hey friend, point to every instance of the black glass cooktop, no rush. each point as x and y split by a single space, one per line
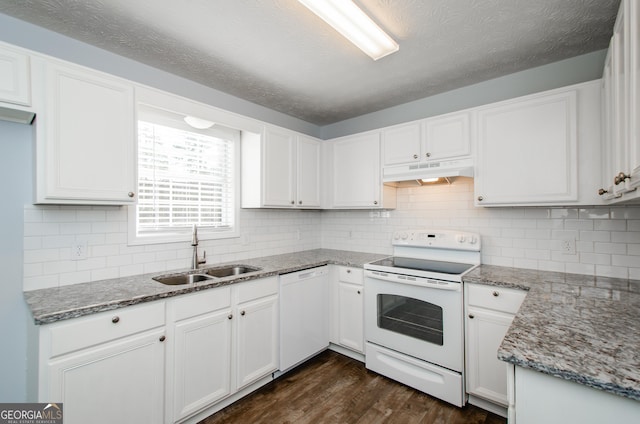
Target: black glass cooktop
451 268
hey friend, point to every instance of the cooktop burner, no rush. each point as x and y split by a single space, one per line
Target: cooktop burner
450 268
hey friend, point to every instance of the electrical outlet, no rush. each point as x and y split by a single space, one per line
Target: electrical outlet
79 250
568 247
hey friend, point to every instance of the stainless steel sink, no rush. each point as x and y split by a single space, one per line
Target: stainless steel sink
178 279
210 274
229 271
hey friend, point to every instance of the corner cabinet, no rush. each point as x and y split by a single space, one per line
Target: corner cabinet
107 367
490 311
280 169
85 148
356 181
542 149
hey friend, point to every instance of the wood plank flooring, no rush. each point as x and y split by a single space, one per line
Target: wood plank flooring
332 388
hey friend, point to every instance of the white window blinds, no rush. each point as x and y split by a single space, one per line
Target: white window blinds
185 177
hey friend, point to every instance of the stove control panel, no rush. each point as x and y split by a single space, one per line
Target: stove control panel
438 239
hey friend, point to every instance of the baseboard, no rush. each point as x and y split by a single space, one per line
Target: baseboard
488 406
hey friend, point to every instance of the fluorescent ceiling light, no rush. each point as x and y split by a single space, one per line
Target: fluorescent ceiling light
350 21
198 123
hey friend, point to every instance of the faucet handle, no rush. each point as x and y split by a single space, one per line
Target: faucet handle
204 258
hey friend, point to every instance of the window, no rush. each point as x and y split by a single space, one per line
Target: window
186 176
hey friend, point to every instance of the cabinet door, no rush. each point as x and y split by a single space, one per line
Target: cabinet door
257 339
356 172
620 85
278 168
118 382
486 375
633 11
606 188
527 151
15 84
308 173
202 362
87 154
350 316
401 144
446 137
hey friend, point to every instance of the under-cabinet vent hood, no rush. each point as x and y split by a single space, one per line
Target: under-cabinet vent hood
16 115
427 170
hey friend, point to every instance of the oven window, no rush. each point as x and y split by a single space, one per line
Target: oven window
410 317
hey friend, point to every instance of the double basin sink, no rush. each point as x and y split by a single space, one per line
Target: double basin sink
200 275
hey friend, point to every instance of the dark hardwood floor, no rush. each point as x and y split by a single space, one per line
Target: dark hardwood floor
332 388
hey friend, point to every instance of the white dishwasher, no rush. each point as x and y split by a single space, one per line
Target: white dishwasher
304 315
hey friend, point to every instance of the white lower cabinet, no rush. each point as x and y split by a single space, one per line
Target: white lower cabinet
490 311
223 340
107 367
348 308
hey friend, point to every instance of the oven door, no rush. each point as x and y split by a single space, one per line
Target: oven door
423 320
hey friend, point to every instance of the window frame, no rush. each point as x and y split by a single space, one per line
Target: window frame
172 106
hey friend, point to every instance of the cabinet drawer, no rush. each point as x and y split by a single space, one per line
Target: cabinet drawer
201 302
350 275
88 331
497 298
255 289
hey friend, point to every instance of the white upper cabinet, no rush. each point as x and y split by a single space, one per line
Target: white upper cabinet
85 150
280 169
621 93
15 82
446 136
355 176
531 150
436 138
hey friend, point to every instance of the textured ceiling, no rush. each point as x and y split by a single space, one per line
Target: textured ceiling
278 54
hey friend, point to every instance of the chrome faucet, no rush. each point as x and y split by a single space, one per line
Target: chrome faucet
195 261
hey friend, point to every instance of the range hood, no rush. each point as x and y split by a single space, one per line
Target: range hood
414 173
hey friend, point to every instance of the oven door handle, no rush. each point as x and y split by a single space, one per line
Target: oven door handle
414 281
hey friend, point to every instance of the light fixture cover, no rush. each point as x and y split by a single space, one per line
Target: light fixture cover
350 21
198 123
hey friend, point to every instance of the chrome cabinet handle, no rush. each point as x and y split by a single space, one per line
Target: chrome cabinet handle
602 191
471 316
496 293
162 338
358 291
242 313
375 202
293 202
480 198
300 202
131 194
428 155
115 319
415 156
230 316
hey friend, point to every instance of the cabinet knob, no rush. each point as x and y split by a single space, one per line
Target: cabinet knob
230 316
115 319
293 202
428 155
131 194
480 198
162 338
242 313
299 202
348 271
415 156
620 178
496 293
602 191
358 291
471 316
375 202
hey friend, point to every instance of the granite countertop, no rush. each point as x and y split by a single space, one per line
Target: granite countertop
60 303
581 328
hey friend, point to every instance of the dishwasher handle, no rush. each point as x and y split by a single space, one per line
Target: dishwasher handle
304 274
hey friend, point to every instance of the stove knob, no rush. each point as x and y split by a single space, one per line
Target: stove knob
473 240
460 238
404 236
